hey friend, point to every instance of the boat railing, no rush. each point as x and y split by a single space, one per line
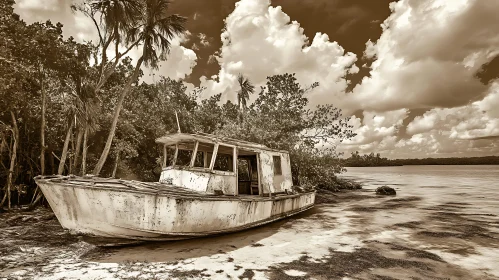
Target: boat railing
200 169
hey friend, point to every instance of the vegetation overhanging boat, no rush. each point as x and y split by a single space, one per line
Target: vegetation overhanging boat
208 185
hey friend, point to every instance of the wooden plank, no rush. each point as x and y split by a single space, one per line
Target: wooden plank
234 167
259 173
165 155
214 156
205 160
175 155
182 137
193 158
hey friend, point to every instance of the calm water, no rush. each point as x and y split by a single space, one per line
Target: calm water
462 199
474 184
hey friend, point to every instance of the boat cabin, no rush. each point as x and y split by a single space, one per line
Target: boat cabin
212 164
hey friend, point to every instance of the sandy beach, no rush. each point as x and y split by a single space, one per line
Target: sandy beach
349 235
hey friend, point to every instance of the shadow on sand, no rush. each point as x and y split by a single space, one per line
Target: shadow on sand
173 251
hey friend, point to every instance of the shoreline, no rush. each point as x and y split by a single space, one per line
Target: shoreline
478 164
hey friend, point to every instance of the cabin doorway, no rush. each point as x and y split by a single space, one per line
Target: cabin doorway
247 174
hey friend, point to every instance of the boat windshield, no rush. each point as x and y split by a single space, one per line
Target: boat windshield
199 155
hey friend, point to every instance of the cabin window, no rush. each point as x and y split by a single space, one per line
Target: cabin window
204 154
199 160
277 165
184 158
168 156
224 160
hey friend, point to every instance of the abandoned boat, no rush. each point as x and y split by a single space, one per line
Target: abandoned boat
208 185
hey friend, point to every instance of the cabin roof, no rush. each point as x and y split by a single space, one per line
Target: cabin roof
171 139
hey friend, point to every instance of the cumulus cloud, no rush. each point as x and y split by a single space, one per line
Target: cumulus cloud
76 25
468 130
260 40
438 144
203 39
428 55
36 5
477 120
179 63
375 131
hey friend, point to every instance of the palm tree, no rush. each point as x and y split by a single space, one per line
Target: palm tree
154 29
118 16
243 94
90 105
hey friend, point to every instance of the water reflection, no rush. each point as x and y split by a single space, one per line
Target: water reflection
475 184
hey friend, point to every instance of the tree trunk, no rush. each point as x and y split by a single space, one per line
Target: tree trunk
42 132
34 195
84 152
52 163
3 143
65 150
3 199
15 135
34 203
116 165
11 144
72 141
77 150
117 110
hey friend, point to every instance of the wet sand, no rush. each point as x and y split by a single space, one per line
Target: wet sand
351 235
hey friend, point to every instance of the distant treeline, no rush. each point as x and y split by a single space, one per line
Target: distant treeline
357 160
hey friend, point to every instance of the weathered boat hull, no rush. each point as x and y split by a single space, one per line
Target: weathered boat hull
157 212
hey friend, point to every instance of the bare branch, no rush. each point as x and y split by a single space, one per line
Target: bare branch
98 30
120 55
89 12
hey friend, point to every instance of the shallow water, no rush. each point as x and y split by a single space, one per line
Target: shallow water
452 199
477 185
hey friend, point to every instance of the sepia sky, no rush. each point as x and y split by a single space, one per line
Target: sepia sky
419 77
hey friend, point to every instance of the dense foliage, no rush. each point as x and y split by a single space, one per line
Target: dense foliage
57 110
357 160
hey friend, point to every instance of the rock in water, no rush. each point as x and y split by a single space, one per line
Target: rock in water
385 190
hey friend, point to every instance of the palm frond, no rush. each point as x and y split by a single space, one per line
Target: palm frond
157 30
143 21
118 15
247 88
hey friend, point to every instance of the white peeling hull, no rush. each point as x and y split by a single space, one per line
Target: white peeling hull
159 212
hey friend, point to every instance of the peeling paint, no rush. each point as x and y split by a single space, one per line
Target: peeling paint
151 216
194 180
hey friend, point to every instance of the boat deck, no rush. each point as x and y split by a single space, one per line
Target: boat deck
156 188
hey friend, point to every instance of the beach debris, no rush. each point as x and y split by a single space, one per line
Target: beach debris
385 190
28 217
295 273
